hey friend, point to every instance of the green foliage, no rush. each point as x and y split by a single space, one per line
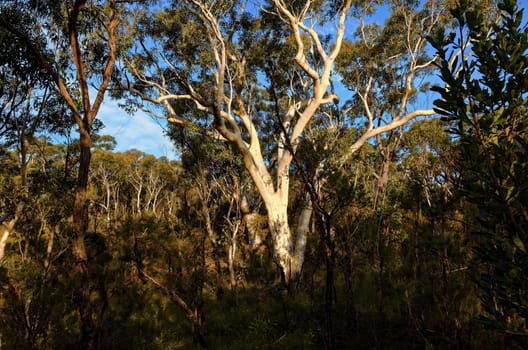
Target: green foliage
427 298
377 56
485 102
29 102
161 229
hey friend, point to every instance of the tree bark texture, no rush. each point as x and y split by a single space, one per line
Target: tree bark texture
80 223
287 253
6 228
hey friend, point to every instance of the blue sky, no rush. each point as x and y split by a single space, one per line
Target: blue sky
142 132
139 131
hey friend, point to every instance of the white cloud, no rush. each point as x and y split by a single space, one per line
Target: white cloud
139 131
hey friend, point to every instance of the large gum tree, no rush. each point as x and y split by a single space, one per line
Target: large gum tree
258 74
80 55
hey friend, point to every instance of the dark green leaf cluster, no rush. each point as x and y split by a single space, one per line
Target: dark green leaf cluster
485 67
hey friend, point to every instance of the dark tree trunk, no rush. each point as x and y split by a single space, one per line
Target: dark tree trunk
23 161
327 240
350 304
80 221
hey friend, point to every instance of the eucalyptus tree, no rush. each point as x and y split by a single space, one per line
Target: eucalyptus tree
82 49
218 177
257 77
29 103
389 69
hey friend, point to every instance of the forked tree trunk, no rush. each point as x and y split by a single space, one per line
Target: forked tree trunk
288 251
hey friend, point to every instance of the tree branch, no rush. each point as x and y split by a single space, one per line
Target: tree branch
48 67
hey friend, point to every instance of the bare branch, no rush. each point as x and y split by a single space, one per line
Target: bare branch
394 124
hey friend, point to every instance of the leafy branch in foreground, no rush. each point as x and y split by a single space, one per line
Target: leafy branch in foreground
485 102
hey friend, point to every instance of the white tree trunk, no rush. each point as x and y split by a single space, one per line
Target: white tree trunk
231 259
6 229
303 227
3 241
288 256
281 236
288 251
239 128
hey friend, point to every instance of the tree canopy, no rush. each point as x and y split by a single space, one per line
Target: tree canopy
349 174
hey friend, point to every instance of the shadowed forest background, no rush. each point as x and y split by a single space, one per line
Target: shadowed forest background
351 175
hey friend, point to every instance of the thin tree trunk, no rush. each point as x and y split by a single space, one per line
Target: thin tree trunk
303 227
417 228
23 160
249 220
80 222
326 232
350 304
199 328
193 316
381 258
383 179
232 259
214 245
49 248
107 204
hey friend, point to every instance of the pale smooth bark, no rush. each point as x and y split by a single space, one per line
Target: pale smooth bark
303 228
231 259
233 112
233 120
7 228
